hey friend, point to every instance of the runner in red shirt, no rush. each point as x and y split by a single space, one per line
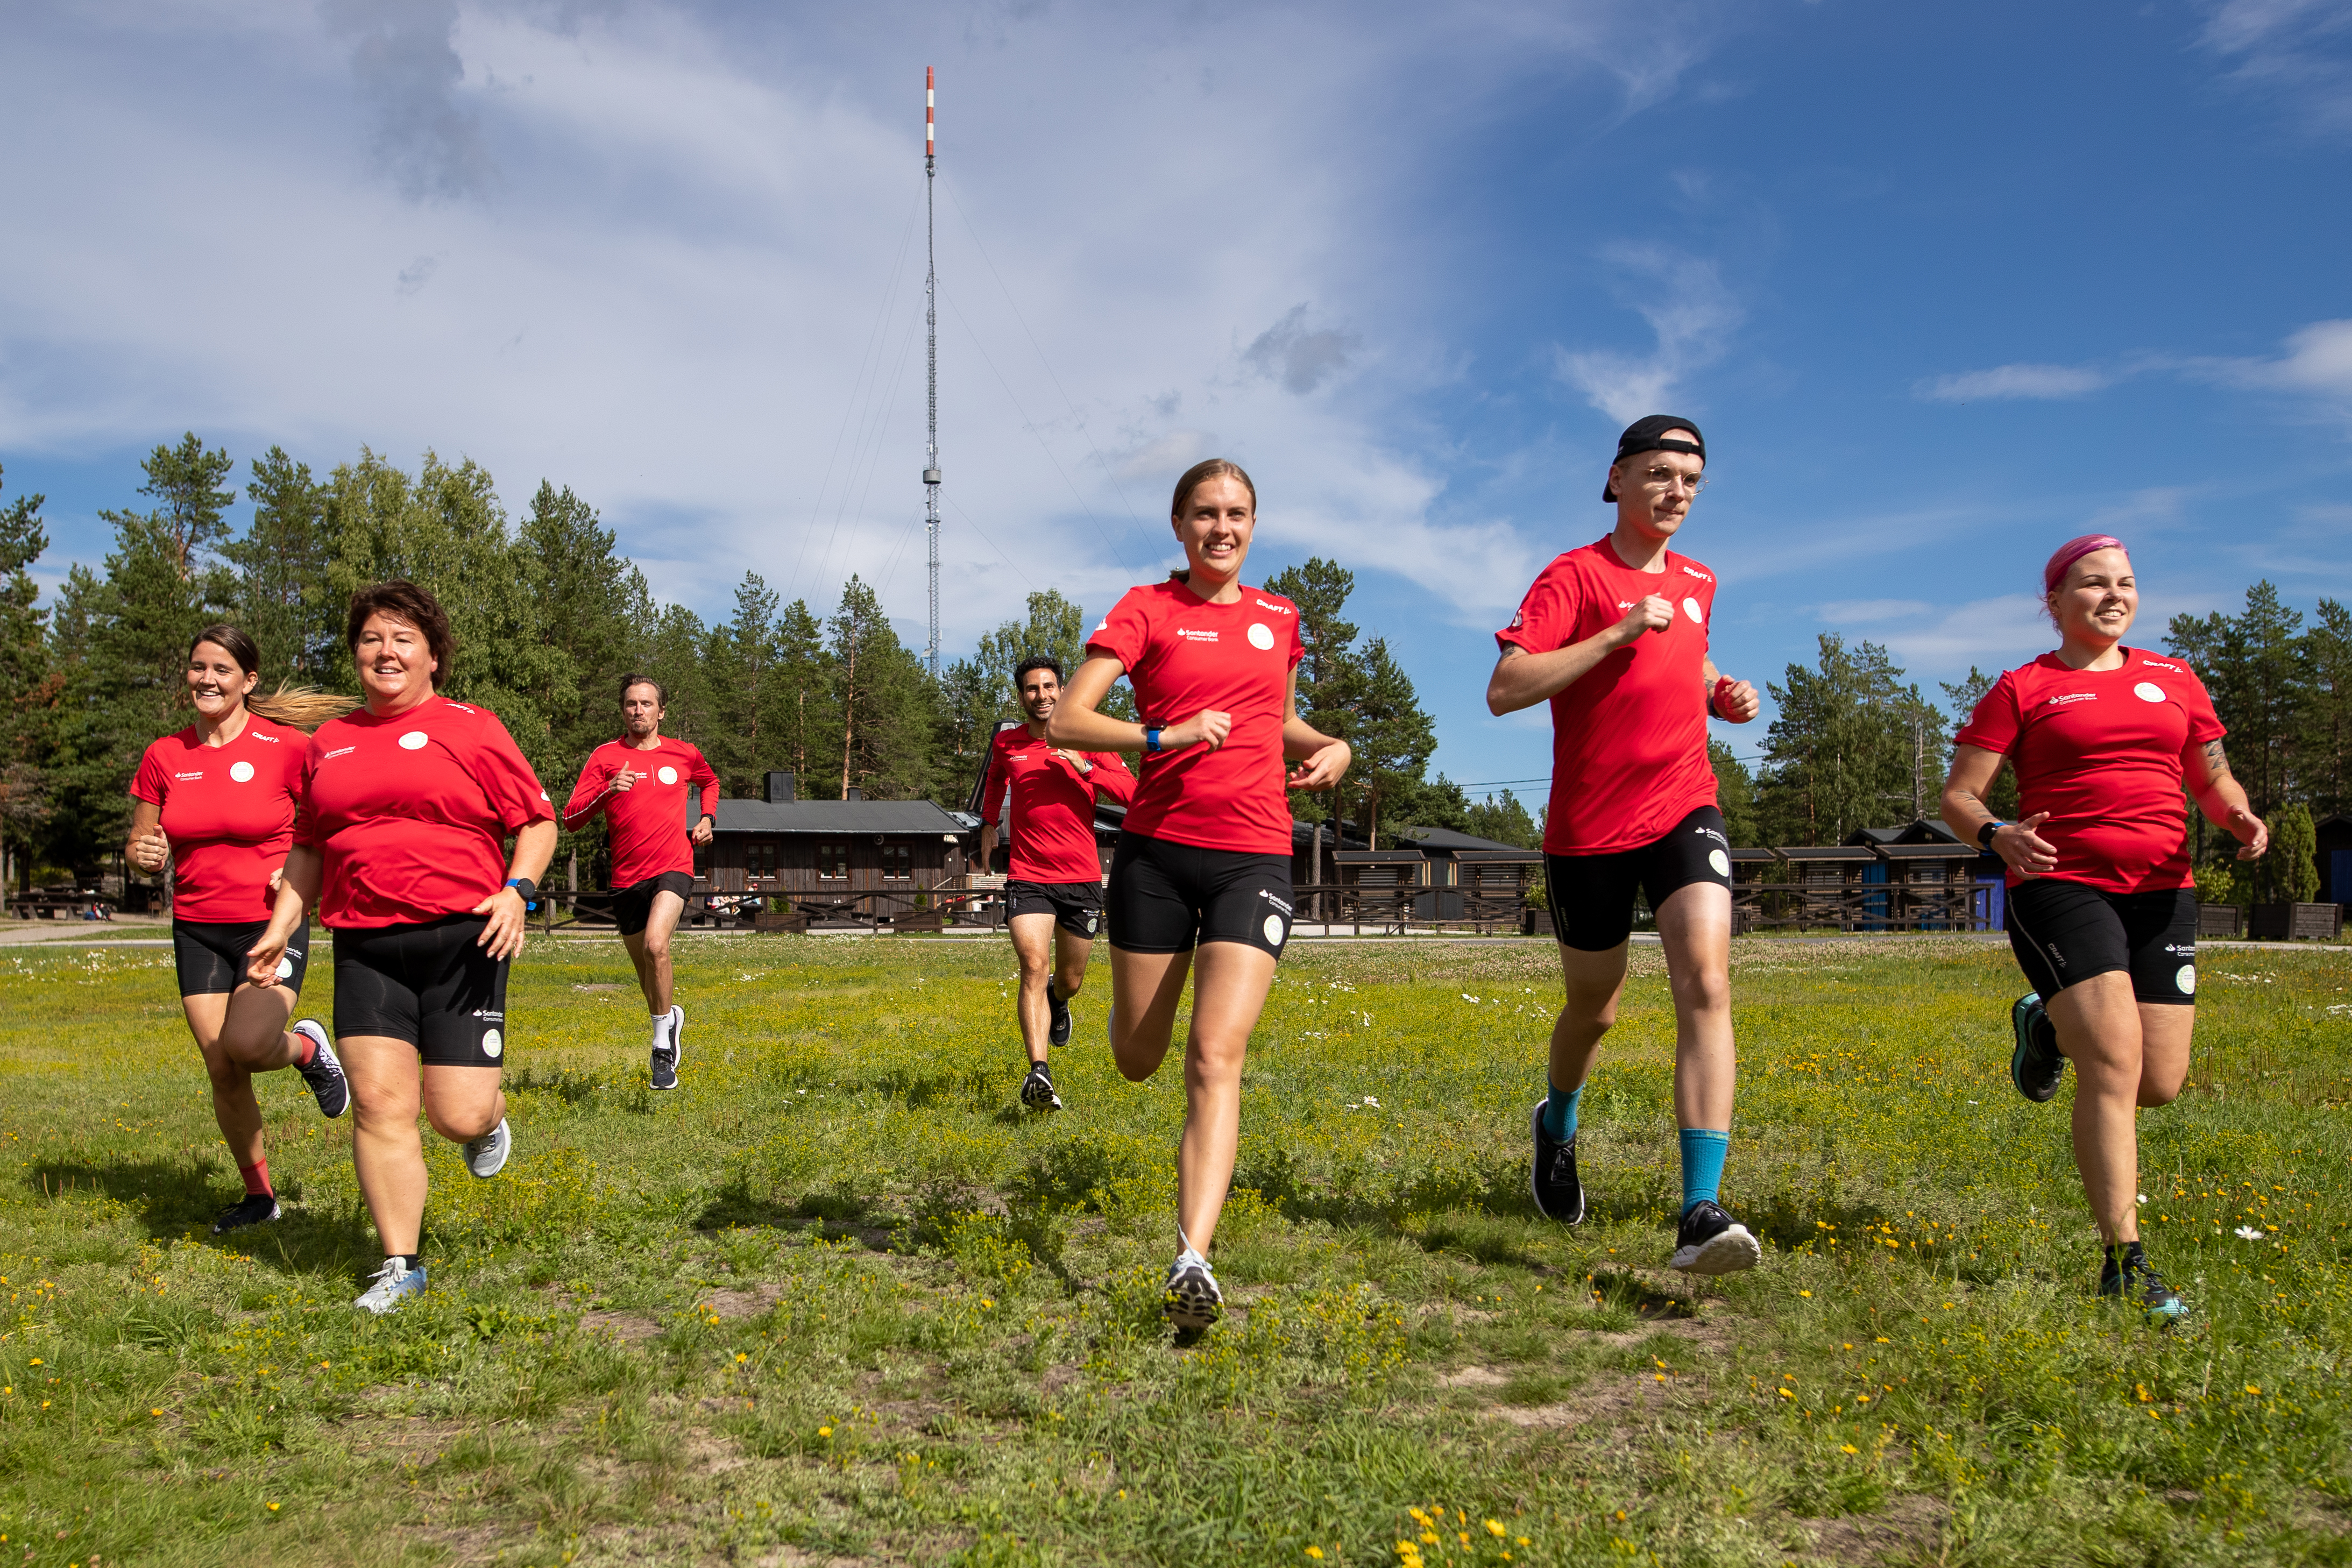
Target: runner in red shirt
2102 910
407 806
1053 898
1615 635
639 785
1204 859
216 802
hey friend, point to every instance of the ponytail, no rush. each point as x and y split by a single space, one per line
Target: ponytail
302 707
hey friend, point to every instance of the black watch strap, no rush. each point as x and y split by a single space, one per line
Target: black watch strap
1985 833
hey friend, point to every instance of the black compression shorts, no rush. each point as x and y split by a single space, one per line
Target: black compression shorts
2065 931
428 985
633 906
1076 906
1592 896
1167 897
210 956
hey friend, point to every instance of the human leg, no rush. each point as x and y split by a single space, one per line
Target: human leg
386 1150
1072 950
650 952
1033 946
1228 994
1695 925
1145 988
235 1110
2098 1024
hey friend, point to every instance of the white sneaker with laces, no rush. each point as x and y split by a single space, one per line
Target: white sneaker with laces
486 1156
391 1283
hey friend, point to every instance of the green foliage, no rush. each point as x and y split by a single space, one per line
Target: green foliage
1504 819
25 678
1851 747
1734 793
2000 796
2290 872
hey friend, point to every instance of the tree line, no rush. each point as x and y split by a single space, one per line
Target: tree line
547 616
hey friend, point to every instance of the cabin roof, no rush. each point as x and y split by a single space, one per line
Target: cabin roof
900 817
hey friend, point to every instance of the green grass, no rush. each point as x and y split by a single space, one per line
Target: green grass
837 1300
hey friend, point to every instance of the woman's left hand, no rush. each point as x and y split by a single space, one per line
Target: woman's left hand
2253 833
1735 702
502 937
1322 770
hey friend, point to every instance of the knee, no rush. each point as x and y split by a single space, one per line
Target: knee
656 950
1070 980
1707 991
459 1126
1598 1014
2153 1093
226 1075
1033 972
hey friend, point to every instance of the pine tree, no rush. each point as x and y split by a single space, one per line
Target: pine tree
2000 796
283 601
32 689
884 699
1505 821
1852 747
1390 735
1735 791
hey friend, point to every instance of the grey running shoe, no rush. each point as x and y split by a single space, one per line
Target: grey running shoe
1552 1180
1191 1298
1037 1089
667 1053
390 1285
2036 1065
1058 1032
253 1208
324 1076
1710 1242
486 1156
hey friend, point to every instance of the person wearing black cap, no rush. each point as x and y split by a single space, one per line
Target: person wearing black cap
1614 636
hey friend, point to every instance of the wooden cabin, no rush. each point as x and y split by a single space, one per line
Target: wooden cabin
785 845
1749 907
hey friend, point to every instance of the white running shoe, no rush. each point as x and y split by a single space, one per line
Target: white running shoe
325 1074
486 1156
668 1047
1190 1299
1709 1241
392 1283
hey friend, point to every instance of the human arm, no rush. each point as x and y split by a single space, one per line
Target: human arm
1522 679
1735 702
705 778
147 848
2021 849
534 846
1078 726
1110 777
1321 758
298 893
595 782
2223 798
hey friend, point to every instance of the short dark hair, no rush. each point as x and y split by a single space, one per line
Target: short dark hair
404 600
661 693
1039 661
229 639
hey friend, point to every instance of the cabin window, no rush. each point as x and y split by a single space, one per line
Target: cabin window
832 862
897 862
761 859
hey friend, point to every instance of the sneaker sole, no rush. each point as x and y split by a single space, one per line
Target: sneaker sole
1726 1253
1535 1127
2017 1059
327 1052
1191 1307
1051 1100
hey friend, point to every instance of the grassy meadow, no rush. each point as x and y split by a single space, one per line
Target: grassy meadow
838 1300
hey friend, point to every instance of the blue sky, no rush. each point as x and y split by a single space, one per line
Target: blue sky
1944 286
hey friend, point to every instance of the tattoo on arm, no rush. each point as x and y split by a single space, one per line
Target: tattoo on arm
2215 761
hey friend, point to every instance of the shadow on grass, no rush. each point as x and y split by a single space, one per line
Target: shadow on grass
171 1200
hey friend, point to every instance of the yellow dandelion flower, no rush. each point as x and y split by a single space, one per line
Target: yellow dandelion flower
1850 1449
1316 1553
1494 1528
825 1431
273 1508
1807 1295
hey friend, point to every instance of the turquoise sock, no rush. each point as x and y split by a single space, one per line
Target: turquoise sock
1559 1112
1703 1151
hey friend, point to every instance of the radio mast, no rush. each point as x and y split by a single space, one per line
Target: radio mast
932 326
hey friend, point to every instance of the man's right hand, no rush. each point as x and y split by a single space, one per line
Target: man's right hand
1652 615
624 780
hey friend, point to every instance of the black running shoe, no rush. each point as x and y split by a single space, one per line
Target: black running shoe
1552 1180
2036 1065
1710 1242
2128 1276
1059 1032
253 1208
668 1047
325 1074
1191 1300
1037 1089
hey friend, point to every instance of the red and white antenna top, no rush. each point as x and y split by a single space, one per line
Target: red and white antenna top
929 97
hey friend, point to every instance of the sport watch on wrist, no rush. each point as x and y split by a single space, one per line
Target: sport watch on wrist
1985 833
528 888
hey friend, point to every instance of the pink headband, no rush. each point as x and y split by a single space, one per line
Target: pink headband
2069 552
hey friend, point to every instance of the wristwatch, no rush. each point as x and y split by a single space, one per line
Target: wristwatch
1985 833
528 888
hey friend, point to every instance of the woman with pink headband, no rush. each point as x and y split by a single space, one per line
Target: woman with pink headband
2102 907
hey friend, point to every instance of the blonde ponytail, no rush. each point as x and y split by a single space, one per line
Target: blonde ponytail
303 707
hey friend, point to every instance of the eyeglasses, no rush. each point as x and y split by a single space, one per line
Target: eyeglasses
1668 478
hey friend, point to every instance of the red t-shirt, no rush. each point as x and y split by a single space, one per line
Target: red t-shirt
1629 737
228 811
2100 751
1053 807
412 811
648 819
1185 657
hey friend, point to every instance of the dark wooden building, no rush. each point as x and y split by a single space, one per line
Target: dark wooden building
785 845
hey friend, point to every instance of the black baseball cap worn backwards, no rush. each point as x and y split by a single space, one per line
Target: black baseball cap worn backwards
1649 435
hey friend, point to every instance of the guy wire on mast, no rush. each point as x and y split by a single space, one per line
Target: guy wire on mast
932 326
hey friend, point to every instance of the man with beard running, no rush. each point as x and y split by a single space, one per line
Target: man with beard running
638 783
1053 900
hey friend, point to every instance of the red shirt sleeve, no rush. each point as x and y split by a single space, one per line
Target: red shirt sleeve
1548 615
992 789
586 795
149 783
1994 725
1110 776
704 777
507 780
1125 632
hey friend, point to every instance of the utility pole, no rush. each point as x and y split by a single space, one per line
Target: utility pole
932 326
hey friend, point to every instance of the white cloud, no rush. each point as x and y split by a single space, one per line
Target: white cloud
1690 314
2291 52
1301 359
2023 381
2318 361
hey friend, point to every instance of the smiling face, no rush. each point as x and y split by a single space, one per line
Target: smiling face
216 682
1041 692
1654 489
641 710
1215 524
2099 599
395 663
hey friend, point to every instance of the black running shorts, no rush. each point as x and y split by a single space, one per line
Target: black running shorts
1592 896
428 985
1167 897
210 956
2065 931
1076 906
633 906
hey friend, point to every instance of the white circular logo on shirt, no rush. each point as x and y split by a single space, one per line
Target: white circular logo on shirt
413 741
285 968
2149 692
241 771
1261 635
1691 609
2187 979
492 1045
667 774
1274 930
1720 861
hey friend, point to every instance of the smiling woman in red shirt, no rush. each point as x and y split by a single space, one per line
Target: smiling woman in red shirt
1204 858
2102 904
216 802
407 806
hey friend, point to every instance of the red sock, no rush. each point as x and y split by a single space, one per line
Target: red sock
306 1050
256 1177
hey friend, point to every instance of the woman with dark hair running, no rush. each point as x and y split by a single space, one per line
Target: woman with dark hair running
2101 909
1204 859
216 801
407 806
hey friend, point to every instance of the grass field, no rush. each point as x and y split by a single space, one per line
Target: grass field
836 1300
